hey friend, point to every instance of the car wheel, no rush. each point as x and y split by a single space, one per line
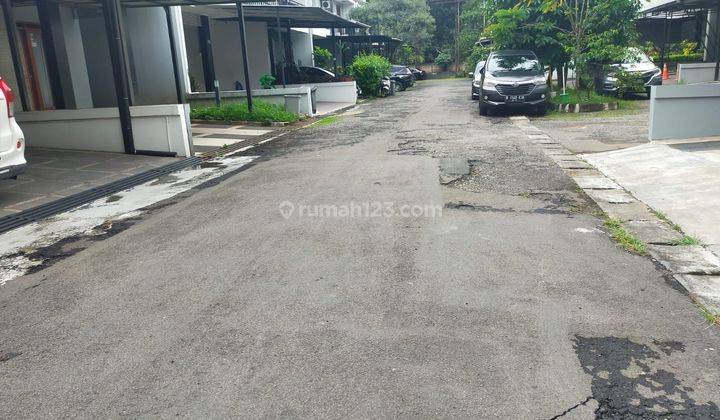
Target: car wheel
541 109
401 87
647 91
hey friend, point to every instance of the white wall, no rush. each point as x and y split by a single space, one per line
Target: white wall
345 92
76 58
97 60
684 111
149 54
302 43
273 96
696 72
227 53
161 128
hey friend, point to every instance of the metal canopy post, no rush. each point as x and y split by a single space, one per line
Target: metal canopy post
241 24
10 26
282 48
116 41
664 43
334 48
173 53
206 51
717 42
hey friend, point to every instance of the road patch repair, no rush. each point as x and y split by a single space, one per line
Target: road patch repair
695 266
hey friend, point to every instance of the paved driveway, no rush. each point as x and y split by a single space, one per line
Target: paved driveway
301 288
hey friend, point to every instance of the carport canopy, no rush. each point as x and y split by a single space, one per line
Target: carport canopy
298 16
683 8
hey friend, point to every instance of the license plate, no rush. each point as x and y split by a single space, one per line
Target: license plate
515 98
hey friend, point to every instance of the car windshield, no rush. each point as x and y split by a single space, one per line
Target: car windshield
400 70
514 65
637 56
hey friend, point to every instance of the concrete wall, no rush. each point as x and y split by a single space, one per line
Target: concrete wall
97 59
684 111
194 58
149 54
162 128
273 96
302 43
227 53
345 92
696 72
75 51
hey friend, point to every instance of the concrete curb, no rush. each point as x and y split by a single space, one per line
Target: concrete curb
695 267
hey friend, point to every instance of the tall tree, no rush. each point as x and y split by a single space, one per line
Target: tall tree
409 20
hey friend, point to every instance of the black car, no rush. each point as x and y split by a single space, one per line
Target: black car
419 74
309 75
476 79
403 76
637 64
513 78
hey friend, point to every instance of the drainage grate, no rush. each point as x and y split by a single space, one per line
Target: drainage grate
34 214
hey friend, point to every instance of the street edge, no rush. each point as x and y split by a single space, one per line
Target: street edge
702 284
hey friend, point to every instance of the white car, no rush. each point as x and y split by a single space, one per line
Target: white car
12 141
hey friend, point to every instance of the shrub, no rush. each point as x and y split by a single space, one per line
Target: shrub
267 81
262 112
628 82
443 60
323 58
368 71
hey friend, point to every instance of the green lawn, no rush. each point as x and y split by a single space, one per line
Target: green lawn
573 96
625 106
262 112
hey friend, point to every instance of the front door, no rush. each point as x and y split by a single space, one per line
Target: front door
36 72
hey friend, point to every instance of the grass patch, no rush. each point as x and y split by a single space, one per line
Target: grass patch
662 216
625 106
262 112
624 238
574 96
712 318
328 120
688 240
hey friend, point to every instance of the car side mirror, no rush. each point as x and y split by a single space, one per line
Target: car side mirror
471 75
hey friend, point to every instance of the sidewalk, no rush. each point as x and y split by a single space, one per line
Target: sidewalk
680 179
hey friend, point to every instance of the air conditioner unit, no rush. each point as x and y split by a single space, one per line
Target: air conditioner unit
327 5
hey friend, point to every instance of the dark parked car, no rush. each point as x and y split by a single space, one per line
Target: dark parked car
309 75
513 78
476 79
403 76
419 74
638 64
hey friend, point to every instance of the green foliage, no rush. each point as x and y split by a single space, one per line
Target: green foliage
323 58
443 60
574 96
405 54
368 71
628 82
477 53
409 20
267 81
262 112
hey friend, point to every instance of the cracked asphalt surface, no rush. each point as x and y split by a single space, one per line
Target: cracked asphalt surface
511 303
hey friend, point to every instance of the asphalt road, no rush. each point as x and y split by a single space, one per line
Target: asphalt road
511 303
